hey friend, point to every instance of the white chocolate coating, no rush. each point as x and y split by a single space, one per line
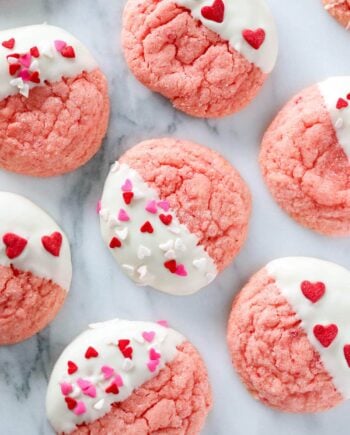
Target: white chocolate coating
104 339
332 308
239 16
20 216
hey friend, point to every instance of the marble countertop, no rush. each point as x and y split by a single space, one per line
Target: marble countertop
313 47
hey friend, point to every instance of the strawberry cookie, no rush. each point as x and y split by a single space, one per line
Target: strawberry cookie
54 104
305 157
174 214
210 58
35 268
123 377
340 10
289 334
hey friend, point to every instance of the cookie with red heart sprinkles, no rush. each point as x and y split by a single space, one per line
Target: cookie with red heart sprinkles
208 57
289 334
35 268
185 218
141 378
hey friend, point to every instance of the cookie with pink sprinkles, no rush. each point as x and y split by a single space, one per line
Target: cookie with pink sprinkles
54 104
35 268
289 335
340 10
124 377
210 58
174 214
305 157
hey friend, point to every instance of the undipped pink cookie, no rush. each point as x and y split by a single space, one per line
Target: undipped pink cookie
289 335
54 104
209 58
130 378
305 157
35 268
340 10
174 214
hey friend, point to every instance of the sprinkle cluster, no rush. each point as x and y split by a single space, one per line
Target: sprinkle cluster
15 244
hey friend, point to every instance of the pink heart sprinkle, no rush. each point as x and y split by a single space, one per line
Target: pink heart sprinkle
163 323
107 371
181 270
118 380
152 365
148 336
91 391
127 186
98 207
164 205
66 388
80 408
151 207
25 60
123 216
83 384
154 355
24 74
60 45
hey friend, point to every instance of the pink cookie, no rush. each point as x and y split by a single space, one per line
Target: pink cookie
35 268
122 377
54 104
209 60
174 214
340 10
305 157
289 335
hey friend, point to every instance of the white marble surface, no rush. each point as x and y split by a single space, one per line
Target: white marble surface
312 48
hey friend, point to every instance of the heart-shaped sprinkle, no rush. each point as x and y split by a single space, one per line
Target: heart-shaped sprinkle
83 384
170 265
13 57
143 252
107 371
90 391
128 365
147 228
66 388
347 353
53 243
115 243
326 334
181 270
34 51
163 323
166 219
9 44
167 245
128 197
124 348
24 75
255 38
164 205
71 403
80 408
72 367
215 12
118 380
342 104
91 353
200 263
151 207
313 291
68 52
99 405
14 245
127 186
152 365
60 45
154 355
123 344
13 68
123 216
35 77
112 389
149 336
348 97
25 60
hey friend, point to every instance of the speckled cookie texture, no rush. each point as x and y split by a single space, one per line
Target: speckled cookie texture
340 10
209 58
135 378
174 214
35 268
54 104
288 335
305 157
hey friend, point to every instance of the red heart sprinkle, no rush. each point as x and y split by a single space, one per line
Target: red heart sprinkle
9 44
15 55
255 38
128 197
35 77
115 243
124 348
91 353
341 104
326 334
68 52
15 245
71 403
313 291
215 12
166 218
13 68
170 265
348 97
112 389
122 344
72 367
53 243
347 353
34 51
147 228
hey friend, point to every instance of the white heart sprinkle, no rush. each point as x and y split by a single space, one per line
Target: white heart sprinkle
122 234
170 255
12 60
175 230
25 90
99 405
128 268
210 277
34 66
143 252
17 83
339 123
143 272
113 222
200 263
128 365
47 50
104 213
166 246
138 194
139 339
179 245
115 167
